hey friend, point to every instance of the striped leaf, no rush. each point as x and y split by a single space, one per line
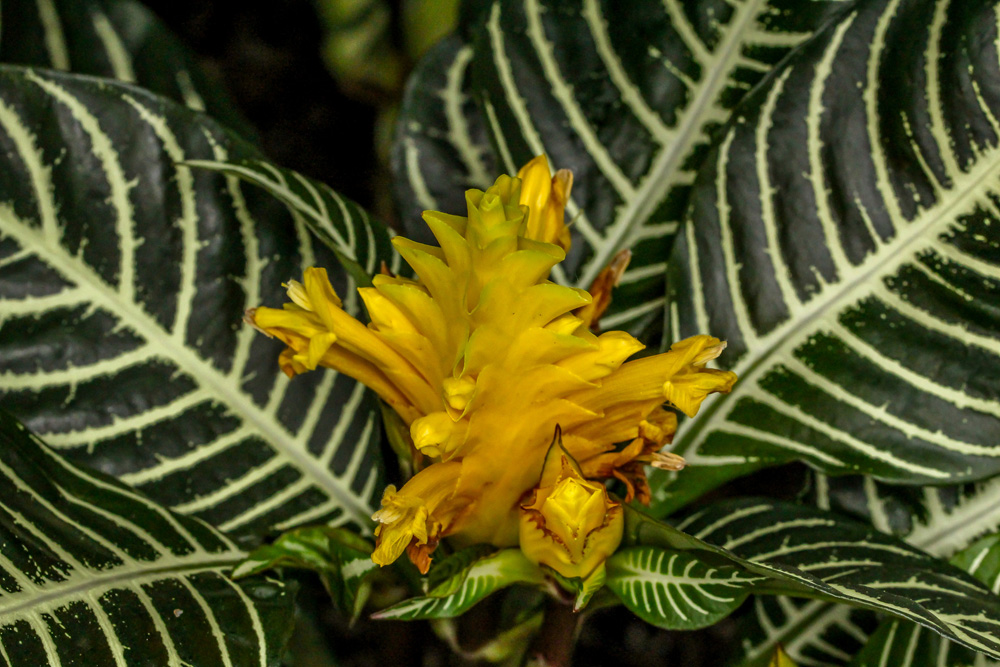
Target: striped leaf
901 644
843 238
124 276
116 39
342 560
628 96
676 590
941 520
441 147
822 554
93 573
938 520
339 223
474 579
815 633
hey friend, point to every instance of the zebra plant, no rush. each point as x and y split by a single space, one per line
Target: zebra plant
813 183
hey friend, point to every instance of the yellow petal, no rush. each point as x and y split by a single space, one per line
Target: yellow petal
686 391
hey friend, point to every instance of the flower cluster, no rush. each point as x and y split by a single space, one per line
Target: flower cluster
483 358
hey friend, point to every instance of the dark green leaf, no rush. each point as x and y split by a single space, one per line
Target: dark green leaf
357 240
938 520
843 238
824 555
93 573
124 276
854 563
628 95
903 644
116 39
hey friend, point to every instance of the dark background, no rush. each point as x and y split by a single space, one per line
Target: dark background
267 57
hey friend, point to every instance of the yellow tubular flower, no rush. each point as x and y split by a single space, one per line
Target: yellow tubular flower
483 357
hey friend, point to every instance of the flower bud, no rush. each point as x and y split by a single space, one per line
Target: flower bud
458 392
546 196
571 526
436 434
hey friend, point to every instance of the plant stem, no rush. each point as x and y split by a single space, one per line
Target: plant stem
553 647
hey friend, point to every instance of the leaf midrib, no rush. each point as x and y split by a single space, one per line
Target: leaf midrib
666 164
118 575
188 361
752 365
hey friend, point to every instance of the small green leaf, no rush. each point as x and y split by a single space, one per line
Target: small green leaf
589 586
676 589
341 558
469 585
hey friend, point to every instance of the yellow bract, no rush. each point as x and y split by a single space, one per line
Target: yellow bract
570 524
482 357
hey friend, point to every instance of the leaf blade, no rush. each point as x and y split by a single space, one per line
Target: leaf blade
123 312
92 562
874 262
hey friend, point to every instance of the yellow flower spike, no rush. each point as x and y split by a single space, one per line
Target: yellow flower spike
571 525
483 357
545 196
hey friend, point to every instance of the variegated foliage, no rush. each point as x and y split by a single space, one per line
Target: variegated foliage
334 220
93 573
627 95
123 278
675 589
850 562
938 520
902 644
464 579
441 148
843 238
341 559
116 39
